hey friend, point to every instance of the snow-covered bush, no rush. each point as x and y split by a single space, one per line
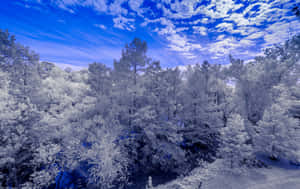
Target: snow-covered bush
108 165
277 131
234 148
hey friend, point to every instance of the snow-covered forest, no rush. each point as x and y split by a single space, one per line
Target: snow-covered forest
138 125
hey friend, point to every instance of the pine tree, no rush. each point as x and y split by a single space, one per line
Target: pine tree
99 79
18 141
20 116
234 148
278 129
131 64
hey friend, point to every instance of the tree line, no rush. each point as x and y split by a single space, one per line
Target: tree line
103 127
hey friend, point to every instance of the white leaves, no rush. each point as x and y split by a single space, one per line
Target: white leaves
108 164
234 146
43 178
46 153
276 130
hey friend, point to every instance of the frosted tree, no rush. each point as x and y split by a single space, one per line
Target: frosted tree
20 116
129 67
136 102
44 69
153 82
277 131
204 93
61 92
112 124
75 132
256 78
108 165
234 148
17 144
171 98
10 141
99 79
202 101
295 107
155 144
22 65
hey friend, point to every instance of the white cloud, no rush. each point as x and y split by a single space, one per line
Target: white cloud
220 8
177 42
182 19
248 9
205 20
148 21
239 19
267 11
65 7
181 44
246 42
220 37
69 5
101 26
200 29
180 29
225 46
185 8
280 31
115 8
169 27
75 55
245 30
124 23
263 14
98 5
165 22
135 6
225 26
202 20
101 6
256 35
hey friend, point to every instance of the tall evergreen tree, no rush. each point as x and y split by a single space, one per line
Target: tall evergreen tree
130 65
278 129
234 148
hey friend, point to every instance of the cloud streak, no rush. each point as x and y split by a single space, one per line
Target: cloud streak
192 27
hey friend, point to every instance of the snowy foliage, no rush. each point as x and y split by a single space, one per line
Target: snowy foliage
108 127
234 148
277 129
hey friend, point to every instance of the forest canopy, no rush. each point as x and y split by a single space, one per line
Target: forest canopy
105 127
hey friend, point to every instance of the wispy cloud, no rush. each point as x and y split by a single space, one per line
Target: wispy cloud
115 8
200 29
193 28
280 31
239 19
135 5
225 26
182 45
74 55
124 23
101 26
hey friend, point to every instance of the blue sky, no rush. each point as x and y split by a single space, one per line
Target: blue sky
178 32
